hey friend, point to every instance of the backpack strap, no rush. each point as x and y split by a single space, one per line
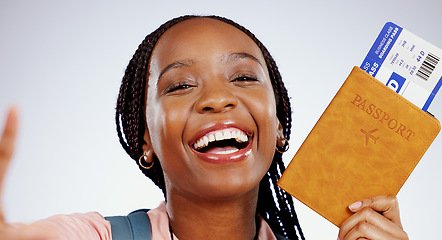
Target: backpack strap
134 226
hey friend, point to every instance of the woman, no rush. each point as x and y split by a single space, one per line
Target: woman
203 111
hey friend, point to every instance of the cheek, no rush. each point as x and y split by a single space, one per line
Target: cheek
166 122
266 107
156 118
263 108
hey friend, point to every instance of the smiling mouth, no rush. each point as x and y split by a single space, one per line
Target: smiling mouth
225 141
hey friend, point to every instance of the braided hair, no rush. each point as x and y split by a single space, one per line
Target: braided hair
274 204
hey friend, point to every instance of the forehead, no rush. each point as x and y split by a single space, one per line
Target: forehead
201 38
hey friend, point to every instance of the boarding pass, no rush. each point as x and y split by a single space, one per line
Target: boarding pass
406 63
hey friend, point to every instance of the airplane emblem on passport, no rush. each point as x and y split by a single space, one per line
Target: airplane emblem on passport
369 135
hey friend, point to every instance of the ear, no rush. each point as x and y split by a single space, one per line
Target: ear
280 139
147 147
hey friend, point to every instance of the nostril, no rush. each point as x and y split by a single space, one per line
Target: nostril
229 105
210 109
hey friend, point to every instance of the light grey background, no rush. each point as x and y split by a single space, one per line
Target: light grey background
61 62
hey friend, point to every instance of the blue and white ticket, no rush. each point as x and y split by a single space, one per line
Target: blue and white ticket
406 63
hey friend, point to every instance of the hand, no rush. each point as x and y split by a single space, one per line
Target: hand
375 218
16 231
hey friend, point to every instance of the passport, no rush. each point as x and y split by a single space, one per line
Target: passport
366 143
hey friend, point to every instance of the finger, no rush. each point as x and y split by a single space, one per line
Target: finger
368 216
7 143
386 205
8 140
365 230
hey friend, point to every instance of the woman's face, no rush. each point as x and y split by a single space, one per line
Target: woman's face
211 113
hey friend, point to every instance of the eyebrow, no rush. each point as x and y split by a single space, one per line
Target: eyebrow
177 64
240 55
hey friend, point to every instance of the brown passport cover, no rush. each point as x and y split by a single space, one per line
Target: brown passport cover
366 143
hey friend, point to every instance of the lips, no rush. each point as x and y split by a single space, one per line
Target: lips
228 144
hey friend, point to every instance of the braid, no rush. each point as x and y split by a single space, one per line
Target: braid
131 104
274 204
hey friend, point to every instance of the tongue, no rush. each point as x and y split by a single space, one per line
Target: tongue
217 150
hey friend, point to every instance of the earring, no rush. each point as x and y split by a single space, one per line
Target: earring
143 158
284 147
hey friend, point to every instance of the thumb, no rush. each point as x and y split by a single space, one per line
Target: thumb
7 143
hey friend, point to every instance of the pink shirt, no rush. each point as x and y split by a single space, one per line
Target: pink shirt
159 221
93 226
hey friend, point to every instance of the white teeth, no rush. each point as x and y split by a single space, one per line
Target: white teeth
219 135
206 140
227 135
241 138
211 137
234 135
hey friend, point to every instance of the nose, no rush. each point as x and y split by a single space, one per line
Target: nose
216 97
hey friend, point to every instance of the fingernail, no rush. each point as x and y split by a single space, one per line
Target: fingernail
355 206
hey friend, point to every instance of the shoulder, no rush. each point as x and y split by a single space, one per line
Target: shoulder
91 225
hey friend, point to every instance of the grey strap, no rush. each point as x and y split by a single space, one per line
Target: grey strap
135 226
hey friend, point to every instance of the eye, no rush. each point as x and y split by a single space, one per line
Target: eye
245 80
179 87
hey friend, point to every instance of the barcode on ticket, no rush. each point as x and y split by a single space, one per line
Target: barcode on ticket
428 66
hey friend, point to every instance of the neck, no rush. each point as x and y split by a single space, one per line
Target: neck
197 218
